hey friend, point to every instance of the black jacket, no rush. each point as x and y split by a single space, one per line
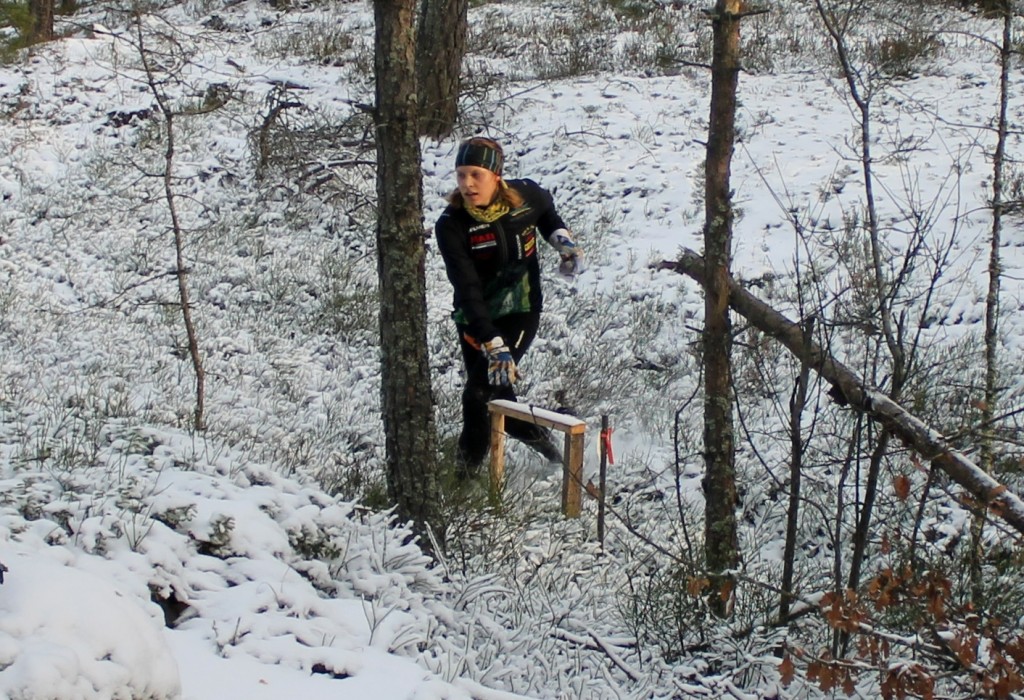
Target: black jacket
493 266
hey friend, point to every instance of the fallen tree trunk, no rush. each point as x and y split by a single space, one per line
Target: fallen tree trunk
850 388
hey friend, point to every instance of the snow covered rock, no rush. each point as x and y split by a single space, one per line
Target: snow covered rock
66 633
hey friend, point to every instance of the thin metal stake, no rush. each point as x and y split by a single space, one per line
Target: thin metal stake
603 478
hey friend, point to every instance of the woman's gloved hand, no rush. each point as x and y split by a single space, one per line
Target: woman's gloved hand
572 255
501 368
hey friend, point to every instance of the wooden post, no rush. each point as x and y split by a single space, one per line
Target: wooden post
572 475
497 466
572 465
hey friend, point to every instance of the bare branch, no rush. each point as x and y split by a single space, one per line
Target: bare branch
848 388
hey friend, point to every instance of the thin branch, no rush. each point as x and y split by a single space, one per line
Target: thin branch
850 389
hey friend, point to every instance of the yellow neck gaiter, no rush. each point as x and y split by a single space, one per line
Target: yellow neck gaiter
490 213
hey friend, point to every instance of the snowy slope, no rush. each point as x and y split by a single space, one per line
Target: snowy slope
277 584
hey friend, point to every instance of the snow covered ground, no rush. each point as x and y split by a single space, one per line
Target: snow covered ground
275 588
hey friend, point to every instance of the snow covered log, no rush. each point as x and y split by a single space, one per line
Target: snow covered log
848 386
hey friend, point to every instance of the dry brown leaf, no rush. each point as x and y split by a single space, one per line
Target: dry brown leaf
901 485
848 685
787 670
725 592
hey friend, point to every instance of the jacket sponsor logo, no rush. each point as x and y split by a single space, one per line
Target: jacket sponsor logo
529 242
482 241
526 208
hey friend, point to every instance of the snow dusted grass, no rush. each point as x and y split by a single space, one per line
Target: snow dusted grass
234 554
97 398
259 537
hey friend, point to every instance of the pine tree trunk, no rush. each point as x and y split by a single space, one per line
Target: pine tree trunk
988 406
42 19
406 395
440 49
721 546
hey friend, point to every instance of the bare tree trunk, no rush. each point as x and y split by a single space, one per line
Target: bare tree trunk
988 405
862 534
797 402
892 333
182 272
850 389
181 267
721 544
441 45
42 19
406 395
852 456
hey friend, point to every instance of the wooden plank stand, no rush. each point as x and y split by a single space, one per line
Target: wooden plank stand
572 455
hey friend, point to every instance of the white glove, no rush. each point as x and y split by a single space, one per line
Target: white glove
572 255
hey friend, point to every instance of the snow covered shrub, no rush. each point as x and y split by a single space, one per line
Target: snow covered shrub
1013 189
578 38
657 50
577 45
626 35
651 36
348 308
323 41
67 633
886 41
588 375
993 9
353 470
902 55
479 528
534 608
327 153
663 608
576 370
787 37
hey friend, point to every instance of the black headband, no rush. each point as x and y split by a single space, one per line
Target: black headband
480 155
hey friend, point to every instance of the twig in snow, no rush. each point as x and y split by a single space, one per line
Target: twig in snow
602 646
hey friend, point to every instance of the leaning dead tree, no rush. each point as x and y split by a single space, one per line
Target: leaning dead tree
851 389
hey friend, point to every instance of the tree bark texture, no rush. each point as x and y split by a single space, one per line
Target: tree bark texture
852 389
440 49
42 19
721 545
992 299
407 402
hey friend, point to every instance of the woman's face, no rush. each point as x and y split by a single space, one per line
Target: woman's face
477 185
